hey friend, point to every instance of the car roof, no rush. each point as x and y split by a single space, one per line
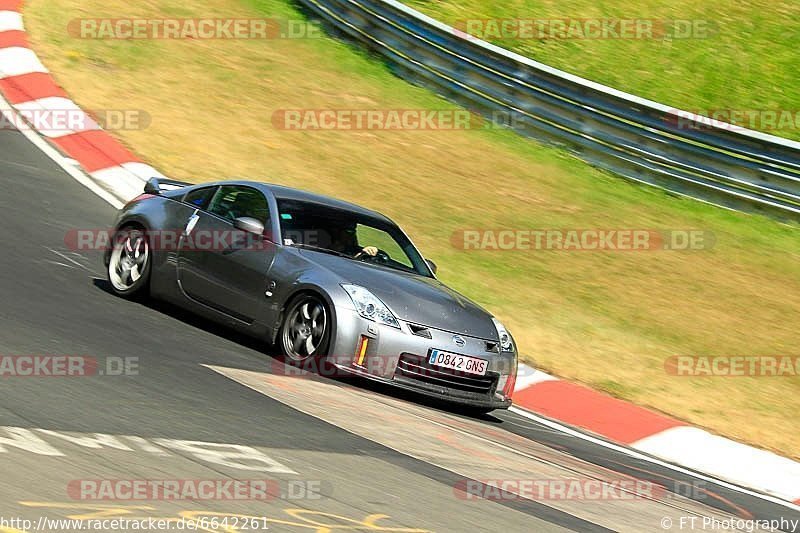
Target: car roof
281 192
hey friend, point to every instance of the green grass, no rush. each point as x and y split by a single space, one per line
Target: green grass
748 61
605 319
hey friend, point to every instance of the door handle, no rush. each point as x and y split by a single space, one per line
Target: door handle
191 224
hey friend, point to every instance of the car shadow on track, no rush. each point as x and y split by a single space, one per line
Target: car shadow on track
189 318
263 347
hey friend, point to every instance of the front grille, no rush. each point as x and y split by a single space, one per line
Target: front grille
413 368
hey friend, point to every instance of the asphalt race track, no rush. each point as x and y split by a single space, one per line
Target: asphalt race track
201 403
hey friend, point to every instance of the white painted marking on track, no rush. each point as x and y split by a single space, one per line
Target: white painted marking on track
59 264
76 263
644 457
94 441
230 455
146 446
27 440
236 456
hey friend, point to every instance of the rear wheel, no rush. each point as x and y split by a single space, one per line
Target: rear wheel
305 333
130 262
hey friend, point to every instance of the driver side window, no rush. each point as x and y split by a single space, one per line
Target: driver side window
368 236
236 201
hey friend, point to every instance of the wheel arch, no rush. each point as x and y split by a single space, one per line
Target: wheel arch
313 290
127 222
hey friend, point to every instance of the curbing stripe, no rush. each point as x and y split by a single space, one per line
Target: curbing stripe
94 150
17 60
64 106
11 5
27 86
33 86
67 165
735 462
584 407
13 38
119 181
11 20
647 458
660 436
143 171
528 376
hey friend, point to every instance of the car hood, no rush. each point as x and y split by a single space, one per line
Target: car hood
411 297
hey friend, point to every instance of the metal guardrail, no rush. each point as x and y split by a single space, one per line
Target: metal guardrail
630 136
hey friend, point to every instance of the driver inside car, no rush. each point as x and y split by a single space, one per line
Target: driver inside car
346 242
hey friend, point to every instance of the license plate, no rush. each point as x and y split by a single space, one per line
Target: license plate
463 363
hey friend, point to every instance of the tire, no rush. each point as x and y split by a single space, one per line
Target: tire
306 329
130 263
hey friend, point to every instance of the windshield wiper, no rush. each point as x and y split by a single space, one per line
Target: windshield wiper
319 249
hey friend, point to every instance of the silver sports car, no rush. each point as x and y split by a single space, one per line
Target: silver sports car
319 278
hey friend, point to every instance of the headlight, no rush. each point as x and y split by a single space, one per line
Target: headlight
506 344
370 307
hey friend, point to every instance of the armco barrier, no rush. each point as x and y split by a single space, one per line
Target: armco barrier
630 136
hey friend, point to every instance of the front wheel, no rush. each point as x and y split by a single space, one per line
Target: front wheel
305 333
130 262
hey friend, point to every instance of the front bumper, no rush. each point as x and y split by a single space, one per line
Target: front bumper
399 357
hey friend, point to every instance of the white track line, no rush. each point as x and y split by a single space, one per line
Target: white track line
68 165
637 455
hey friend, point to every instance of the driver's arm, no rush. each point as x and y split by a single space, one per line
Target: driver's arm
370 250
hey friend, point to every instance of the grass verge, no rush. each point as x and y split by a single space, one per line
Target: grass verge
608 319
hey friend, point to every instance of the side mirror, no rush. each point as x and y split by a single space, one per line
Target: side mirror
250 225
152 187
431 265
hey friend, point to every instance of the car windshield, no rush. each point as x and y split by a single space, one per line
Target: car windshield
349 234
